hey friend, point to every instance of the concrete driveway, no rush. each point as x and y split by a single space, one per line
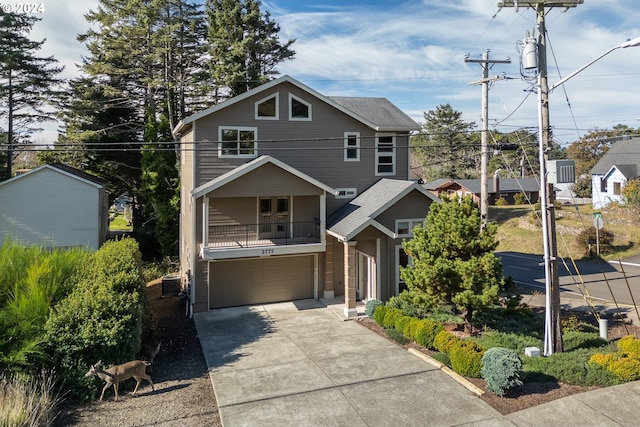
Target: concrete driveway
299 364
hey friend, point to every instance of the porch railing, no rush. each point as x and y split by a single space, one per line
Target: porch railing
263 234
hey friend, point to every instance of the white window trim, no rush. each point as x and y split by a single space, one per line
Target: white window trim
347 147
412 223
239 156
386 154
350 193
298 119
257 103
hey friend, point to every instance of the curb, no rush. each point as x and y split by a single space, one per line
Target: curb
458 378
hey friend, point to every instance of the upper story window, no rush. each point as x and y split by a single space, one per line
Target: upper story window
404 227
352 146
237 142
299 109
385 155
268 108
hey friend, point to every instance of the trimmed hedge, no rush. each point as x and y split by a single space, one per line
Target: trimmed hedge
444 341
379 313
426 332
391 316
466 359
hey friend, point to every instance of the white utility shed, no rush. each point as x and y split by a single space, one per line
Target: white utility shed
55 206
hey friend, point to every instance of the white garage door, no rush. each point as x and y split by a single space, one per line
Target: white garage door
261 280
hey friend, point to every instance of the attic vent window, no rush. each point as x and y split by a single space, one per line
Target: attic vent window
299 109
267 108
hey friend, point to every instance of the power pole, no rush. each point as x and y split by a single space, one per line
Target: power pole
484 192
553 327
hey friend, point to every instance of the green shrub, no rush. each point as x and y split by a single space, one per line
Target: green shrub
571 367
371 306
410 328
426 332
502 370
519 198
396 336
103 318
587 240
466 359
444 341
501 202
574 339
379 313
401 322
411 303
391 316
629 344
515 342
442 358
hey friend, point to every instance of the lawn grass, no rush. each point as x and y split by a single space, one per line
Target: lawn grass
520 231
119 223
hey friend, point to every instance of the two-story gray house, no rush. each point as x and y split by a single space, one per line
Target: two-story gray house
289 194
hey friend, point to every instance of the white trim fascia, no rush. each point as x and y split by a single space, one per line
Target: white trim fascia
53 169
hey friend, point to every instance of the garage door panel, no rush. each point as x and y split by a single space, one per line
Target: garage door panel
261 280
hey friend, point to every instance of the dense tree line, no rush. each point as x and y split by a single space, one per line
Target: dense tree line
150 63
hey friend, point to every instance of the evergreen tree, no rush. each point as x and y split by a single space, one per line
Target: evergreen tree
452 258
27 81
444 147
244 45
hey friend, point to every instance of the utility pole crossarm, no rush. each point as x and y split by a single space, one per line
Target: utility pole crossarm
546 3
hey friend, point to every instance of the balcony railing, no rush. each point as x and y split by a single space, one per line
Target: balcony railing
264 234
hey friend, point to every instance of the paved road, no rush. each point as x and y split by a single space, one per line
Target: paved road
606 281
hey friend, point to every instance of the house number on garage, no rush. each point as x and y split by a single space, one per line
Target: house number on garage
267 251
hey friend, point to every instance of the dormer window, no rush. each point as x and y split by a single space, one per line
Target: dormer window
268 108
299 109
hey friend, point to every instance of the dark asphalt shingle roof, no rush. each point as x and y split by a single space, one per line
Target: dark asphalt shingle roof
507 185
361 212
623 154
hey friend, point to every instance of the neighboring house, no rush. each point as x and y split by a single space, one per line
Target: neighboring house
618 165
505 188
289 194
54 206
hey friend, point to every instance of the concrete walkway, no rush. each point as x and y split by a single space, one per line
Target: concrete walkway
301 364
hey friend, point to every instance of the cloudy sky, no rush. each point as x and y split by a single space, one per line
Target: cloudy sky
412 52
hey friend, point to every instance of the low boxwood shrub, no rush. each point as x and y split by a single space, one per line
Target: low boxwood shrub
502 370
370 307
466 359
391 316
379 313
426 332
409 329
401 323
444 341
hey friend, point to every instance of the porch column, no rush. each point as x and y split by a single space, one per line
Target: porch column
350 279
328 270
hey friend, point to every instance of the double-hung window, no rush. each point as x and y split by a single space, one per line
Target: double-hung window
385 155
352 146
237 141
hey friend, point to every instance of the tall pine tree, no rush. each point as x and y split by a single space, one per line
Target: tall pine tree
244 45
27 81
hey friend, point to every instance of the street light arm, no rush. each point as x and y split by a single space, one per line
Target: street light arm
628 43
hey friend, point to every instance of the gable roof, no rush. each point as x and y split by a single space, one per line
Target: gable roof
624 152
64 170
507 185
359 213
251 166
377 113
628 171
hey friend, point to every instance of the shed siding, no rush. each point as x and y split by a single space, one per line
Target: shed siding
50 208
